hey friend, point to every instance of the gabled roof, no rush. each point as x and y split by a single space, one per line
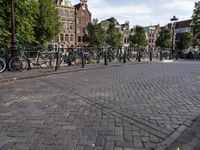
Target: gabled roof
111 20
77 6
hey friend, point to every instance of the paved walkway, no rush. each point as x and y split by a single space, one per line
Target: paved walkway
137 107
36 72
190 138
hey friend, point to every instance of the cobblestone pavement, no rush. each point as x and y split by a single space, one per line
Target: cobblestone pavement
36 72
132 107
189 140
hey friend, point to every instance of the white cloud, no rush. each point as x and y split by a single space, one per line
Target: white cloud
141 12
183 5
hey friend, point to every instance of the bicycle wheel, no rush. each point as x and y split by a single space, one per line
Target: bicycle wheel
51 61
17 64
2 65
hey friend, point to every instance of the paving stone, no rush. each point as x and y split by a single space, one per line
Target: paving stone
128 107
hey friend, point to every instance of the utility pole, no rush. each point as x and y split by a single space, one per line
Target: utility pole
13 28
173 26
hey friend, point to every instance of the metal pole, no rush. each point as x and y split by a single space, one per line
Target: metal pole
139 56
13 27
82 58
172 46
161 56
57 59
29 64
150 55
124 59
105 58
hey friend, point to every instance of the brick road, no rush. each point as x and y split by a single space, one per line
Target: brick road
132 107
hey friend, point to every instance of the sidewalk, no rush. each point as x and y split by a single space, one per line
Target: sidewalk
39 72
190 138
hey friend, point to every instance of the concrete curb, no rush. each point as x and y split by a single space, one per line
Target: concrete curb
11 79
176 134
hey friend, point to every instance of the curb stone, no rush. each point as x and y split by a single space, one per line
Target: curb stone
176 134
11 79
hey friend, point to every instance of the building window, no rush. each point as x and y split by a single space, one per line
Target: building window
84 31
61 37
78 20
67 38
125 40
78 30
79 39
71 38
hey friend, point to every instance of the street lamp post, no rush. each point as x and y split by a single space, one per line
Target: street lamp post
13 28
173 20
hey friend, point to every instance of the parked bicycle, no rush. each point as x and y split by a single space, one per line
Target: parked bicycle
34 58
2 64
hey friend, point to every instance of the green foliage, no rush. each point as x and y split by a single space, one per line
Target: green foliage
35 21
139 38
26 11
185 41
196 24
164 40
95 36
25 21
4 24
113 37
48 25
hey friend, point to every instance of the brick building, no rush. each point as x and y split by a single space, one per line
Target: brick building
82 18
66 37
126 33
124 29
152 35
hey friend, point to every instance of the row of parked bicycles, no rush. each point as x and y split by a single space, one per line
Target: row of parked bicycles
26 59
37 57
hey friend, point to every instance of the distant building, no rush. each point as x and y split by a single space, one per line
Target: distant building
66 13
105 23
66 37
126 32
182 27
82 18
124 29
152 35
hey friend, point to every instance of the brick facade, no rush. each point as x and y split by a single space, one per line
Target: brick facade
82 18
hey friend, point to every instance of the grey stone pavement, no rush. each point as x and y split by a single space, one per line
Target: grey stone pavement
190 138
130 107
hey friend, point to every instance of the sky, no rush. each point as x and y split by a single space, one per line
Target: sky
141 12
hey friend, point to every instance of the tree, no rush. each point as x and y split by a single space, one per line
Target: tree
48 25
25 21
185 41
95 35
36 20
196 24
5 33
113 37
26 15
139 38
164 40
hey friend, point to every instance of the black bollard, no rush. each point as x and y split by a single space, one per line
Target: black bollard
139 56
50 62
161 56
124 58
105 58
29 64
82 58
57 60
150 55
